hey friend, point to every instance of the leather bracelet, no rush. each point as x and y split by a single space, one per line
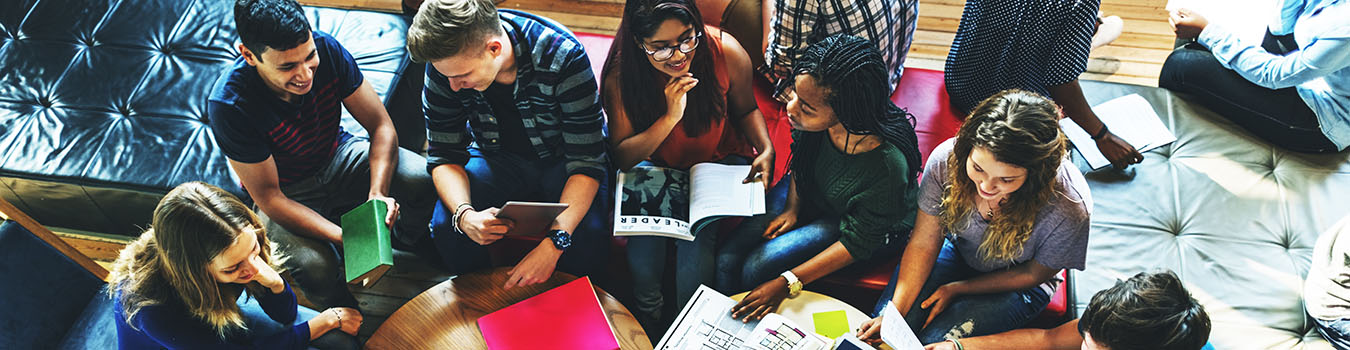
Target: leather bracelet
1100 133
957 343
459 212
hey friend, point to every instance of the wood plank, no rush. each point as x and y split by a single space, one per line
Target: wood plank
396 287
579 7
97 248
393 6
51 239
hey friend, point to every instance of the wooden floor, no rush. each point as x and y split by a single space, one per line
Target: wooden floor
1135 58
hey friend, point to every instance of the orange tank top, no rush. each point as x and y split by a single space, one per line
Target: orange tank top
722 139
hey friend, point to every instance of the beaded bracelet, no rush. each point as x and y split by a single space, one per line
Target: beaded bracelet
459 212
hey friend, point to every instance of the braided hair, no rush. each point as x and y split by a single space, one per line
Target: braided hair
855 77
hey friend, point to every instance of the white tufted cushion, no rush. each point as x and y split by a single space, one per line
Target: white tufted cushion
1235 217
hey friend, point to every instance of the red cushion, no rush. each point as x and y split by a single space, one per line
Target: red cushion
597 48
923 93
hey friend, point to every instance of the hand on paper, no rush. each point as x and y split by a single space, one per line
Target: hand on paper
762 166
761 301
870 331
1119 152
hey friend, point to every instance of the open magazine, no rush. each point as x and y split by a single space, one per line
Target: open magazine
657 201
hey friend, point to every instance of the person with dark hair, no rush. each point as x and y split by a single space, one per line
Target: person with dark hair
1014 213
851 192
1292 91
204 276
276 116
1040 46
679 93
1150 311
793 24
520 87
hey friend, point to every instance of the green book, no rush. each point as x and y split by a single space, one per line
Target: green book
366 243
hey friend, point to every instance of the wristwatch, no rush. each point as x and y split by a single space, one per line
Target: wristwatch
561 239
794 284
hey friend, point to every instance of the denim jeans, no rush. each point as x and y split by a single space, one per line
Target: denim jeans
259 323
746 259
1336 332
694 261
316 264
498 177
967 315
1278 116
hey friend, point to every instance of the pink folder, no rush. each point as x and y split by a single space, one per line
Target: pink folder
567 317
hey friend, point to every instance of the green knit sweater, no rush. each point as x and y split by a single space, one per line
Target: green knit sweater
872 193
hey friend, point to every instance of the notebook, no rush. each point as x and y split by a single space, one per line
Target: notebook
366 248
566 317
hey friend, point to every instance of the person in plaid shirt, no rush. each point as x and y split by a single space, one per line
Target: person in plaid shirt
797 24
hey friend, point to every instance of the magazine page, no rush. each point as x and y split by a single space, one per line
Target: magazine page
718 191
652 201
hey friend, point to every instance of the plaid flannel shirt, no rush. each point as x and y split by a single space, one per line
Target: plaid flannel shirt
799 23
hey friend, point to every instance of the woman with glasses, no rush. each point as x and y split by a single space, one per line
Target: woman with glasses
662 111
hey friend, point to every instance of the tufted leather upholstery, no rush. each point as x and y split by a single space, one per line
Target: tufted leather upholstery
1235 217
102 103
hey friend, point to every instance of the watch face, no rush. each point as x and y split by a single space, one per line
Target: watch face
560 239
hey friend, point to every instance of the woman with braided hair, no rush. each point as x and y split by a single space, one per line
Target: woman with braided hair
1014 213
850 193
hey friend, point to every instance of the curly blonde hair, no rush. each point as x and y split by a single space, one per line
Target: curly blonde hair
1020 128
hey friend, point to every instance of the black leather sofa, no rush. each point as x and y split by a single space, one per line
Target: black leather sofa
102 103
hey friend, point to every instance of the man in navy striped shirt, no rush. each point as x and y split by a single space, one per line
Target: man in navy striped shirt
524 87
276 115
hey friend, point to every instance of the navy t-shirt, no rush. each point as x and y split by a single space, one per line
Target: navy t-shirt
251 123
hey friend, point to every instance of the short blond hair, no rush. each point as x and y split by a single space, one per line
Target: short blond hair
443 28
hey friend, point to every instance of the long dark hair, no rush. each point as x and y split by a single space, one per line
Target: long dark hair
643 101
856 76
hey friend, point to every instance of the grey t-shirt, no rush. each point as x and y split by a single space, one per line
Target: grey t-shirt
1058 239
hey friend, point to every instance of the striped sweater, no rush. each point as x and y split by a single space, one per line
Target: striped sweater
556 95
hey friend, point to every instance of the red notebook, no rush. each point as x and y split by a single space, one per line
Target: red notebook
567 317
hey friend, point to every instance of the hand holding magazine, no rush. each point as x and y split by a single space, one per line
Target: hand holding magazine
657 201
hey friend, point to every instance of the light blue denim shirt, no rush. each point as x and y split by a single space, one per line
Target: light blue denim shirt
1319 70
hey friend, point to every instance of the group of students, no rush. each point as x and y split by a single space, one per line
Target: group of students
513 112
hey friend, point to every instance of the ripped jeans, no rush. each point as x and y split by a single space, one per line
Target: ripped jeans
968 315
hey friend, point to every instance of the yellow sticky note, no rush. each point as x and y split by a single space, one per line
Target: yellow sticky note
831 324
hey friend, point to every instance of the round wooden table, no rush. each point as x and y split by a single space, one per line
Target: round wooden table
446 316
802 308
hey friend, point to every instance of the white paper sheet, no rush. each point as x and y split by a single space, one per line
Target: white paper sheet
1131 118
895 332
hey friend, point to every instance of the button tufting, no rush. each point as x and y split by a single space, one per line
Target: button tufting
44 101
